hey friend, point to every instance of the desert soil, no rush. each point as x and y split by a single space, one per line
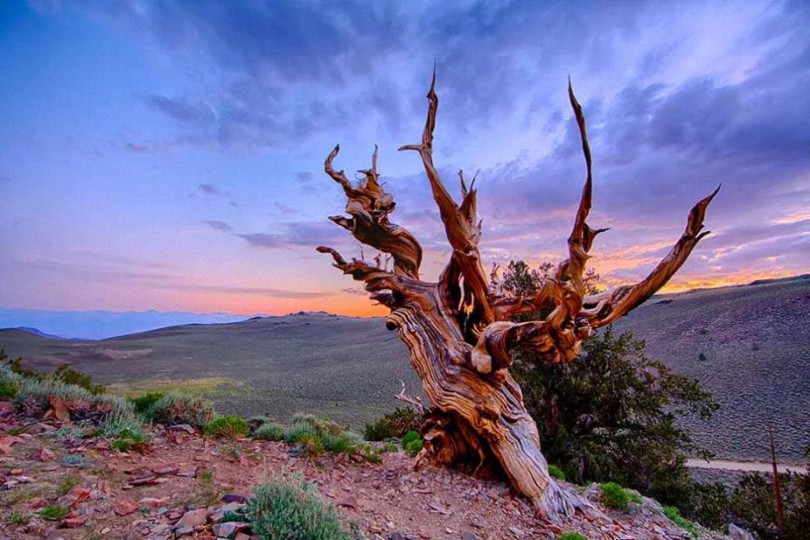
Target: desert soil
182 484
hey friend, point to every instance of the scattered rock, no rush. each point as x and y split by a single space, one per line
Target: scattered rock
182 427
467 535
234 498
737 533
125 507
225 530
192 518
73 522
349 502
45 455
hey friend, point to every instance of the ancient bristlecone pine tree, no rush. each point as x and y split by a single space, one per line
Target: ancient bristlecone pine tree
459 332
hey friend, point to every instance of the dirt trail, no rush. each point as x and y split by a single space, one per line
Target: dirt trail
744 466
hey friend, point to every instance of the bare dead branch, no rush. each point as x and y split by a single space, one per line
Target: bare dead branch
415 402
604 308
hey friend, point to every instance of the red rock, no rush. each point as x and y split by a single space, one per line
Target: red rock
73 522
39 502
16 472
76 496
8 440
153 502
125 507
58 408
45 455
165 470
7 408
193 518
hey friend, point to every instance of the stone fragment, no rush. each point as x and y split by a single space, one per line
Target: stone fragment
234 497
125 507
737 533
73 522
467 535
182 427
228 529
45 455
192 518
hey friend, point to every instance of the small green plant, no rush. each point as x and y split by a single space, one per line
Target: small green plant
412 443
231 427
675 516
144 402
8 389
300 429
270 431
614 496
128 438
18 518
53 512
393 425
67 483
556 472
311 445
121 445
389 447
206 478
68 375
231 452
290 509
370 453
571 536
180 409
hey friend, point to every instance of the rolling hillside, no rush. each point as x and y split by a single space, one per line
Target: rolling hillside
749 345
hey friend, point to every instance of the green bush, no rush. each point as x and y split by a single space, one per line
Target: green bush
752 505
143 403
393 425
571 536
412 443
709 505
8 389
614 496
53 512
675 516
231 427
68 375
301 429
270 431
67 483
556 472
410 436
291 510
181 409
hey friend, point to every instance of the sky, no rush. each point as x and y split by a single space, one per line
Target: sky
169 155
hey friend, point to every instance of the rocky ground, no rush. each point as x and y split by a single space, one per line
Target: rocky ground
187 485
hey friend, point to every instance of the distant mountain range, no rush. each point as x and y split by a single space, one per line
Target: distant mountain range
749 345
103 324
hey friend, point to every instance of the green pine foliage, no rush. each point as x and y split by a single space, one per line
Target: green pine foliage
611 414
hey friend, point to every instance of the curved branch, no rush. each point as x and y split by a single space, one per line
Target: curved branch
377 280
369 205
604 308
461 225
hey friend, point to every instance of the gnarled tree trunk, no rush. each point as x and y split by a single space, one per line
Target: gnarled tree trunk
458 331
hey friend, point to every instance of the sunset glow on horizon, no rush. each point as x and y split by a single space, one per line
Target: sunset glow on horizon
169 156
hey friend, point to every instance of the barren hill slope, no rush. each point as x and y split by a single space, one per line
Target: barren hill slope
754 341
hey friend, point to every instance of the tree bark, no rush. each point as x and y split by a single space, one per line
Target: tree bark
458 331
